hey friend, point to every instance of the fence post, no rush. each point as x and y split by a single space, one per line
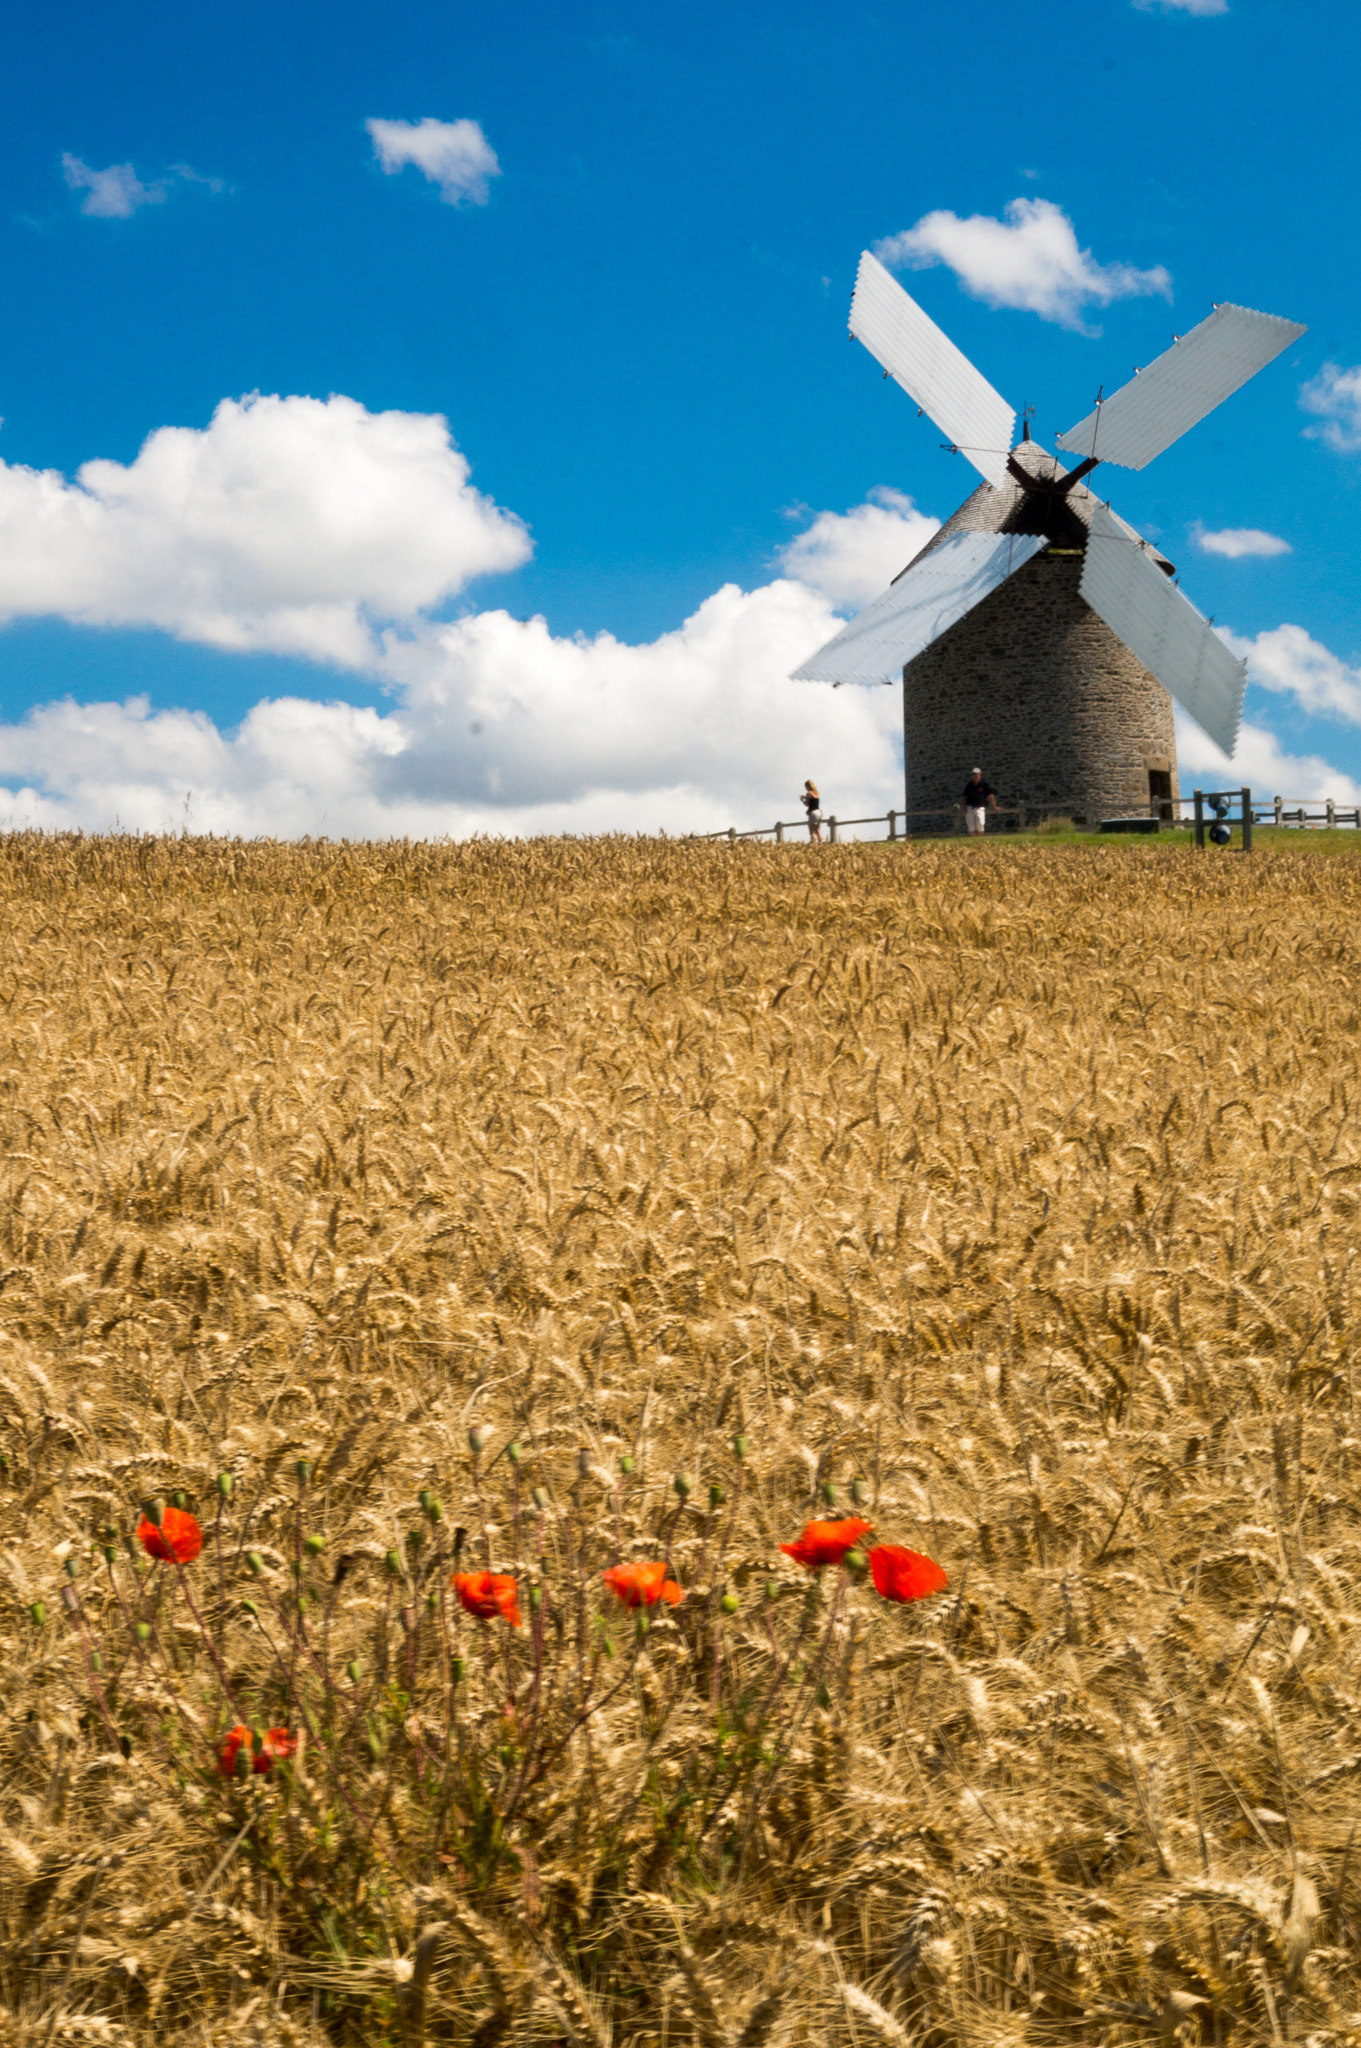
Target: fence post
831 830
1247 821
893 824
1199 799
1278 810
779 834
1332 814
732 835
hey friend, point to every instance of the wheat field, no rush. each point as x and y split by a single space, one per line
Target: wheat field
405 1209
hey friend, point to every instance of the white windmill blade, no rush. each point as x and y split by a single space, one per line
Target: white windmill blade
925 602
1195 375
935 374
1162 629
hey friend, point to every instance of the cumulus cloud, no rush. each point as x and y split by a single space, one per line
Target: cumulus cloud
1238 543
111 194
850 557
1183 6
1335 395
1287 661
1030 260
455 155
293 525
1260 763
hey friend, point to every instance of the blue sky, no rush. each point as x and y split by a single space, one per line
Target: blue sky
635 327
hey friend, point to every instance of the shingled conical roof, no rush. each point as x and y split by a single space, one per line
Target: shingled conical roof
1063 518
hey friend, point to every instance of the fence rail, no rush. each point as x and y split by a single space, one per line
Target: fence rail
1307 813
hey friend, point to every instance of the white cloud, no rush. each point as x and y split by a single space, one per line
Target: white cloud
1183 6
1030 260
850 557
112 194
1335 394
1292 664
286 524
455 155
1238 543
1260 764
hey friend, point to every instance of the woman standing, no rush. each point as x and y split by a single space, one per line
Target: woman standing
812 803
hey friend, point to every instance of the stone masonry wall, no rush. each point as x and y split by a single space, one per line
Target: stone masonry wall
1033 688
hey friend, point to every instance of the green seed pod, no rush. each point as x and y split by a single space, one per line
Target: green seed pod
352 1671
393 1561
457 1667
540 1499
684 1485
142 1631
254 1562
110 1554
70 1567
739 1448
535 1599
828 1491
314 1545
96 1661
772 1589
856 1562
153 1510
432 1600
640 1625
180 1499
303 1468
225 1485
37 1613
730 1603
514 1453
433 1509
858 1491
249 1607
241 1764
627 1466
716 1496
303 1603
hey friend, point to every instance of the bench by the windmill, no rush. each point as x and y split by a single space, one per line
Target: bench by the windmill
1036 632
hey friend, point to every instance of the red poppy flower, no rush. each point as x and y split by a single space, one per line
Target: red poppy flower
178 1540
643 1584
905 1574
276 1743
826 1542
487 1594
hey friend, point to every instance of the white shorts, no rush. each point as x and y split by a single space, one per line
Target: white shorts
976 820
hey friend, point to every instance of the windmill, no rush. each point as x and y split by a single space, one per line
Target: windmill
1037 632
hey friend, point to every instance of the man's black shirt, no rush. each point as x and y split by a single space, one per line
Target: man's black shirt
976 794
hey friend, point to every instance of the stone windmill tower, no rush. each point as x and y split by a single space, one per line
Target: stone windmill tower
1037 633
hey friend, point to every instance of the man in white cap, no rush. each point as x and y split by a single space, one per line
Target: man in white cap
978 794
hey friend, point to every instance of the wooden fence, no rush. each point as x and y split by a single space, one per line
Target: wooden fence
1310 813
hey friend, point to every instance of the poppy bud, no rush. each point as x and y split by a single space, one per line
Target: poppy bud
730 1603
457 1667
535 1599
352 1671
110 1553
142 1631
70 1599
684 1485
70 1567
640 1624
393 1561
858 1491
241 1763
540 1499
739 1448
180 1499
302 1603
716 1496
856 1561
432 1600
514 1453
96 1661
434 1511
254 1562
314 1545
153 1510
37 1613
772 1589
303 1468
225 1484
828 1491
627 1465
249 1607
478 1436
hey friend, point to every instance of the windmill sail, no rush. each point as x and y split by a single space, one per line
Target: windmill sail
1163 629
932 371
1194 376
925 602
